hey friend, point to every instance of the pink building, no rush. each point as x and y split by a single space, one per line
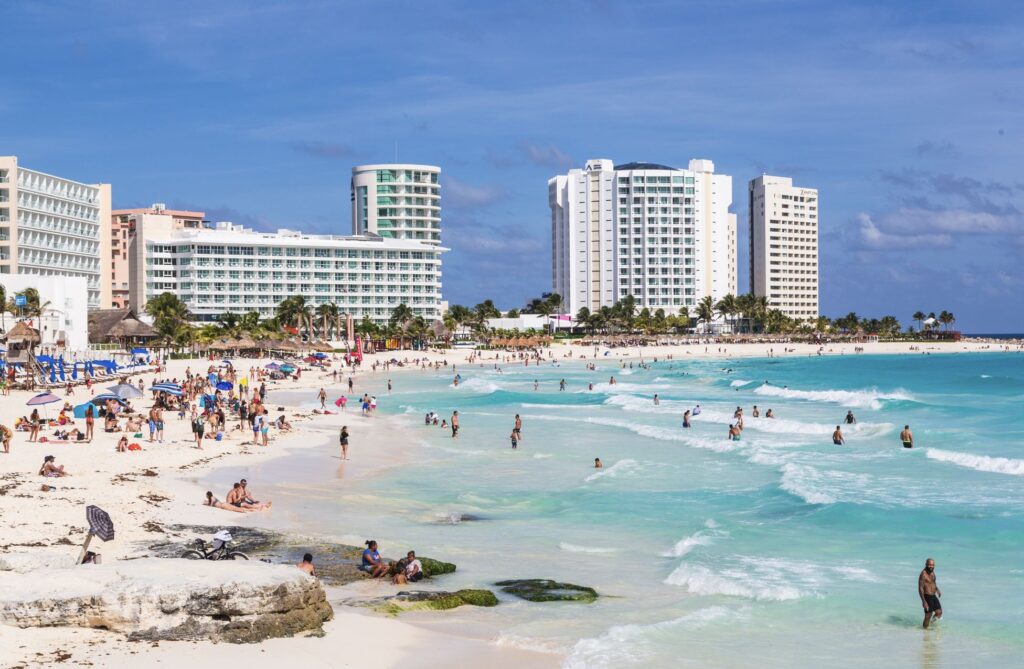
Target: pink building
123 224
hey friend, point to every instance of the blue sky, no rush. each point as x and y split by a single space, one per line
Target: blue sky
908 117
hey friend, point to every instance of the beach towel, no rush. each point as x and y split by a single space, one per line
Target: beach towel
134 447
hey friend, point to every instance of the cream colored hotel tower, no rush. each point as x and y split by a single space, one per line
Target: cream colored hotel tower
52 226
661 234
784 245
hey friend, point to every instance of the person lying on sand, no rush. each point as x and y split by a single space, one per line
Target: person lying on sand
50 468
217 504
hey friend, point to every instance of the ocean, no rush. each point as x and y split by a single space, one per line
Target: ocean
779 550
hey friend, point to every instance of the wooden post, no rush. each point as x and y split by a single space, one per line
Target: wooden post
85 547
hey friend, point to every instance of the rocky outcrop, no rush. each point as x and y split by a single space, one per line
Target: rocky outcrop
544 590
434 568
234 601
419 600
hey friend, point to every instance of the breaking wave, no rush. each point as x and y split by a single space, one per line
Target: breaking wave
982 463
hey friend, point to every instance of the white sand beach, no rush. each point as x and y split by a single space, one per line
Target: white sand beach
145 491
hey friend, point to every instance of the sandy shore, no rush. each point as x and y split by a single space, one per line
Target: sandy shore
147 491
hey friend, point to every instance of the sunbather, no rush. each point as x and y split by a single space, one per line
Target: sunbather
122 444
50 468
217 504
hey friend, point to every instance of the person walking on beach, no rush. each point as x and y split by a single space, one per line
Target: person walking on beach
455 424
90 419
322 396
929 591
837 437
343 440
907 437
5 437
198 427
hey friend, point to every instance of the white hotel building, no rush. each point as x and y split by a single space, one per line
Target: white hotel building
661 234
784 245
226 267
51 226
397 201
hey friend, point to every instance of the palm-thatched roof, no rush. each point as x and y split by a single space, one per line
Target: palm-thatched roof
114 325
24 333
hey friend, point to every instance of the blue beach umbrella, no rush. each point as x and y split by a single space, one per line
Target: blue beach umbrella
74 371
225 386
274 367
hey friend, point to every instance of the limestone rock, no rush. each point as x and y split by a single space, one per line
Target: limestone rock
25 562
235 601
432 567
437 600
544 590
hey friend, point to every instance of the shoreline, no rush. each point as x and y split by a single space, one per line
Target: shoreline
142 505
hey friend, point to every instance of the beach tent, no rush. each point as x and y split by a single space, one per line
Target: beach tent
98 400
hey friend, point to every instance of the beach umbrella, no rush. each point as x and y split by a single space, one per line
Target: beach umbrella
42 398
169 390
125 391
287 369
100 525
74 372
273 367
225 386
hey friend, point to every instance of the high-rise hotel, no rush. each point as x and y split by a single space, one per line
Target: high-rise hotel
661 234
784 245
397 202
393 256
52 226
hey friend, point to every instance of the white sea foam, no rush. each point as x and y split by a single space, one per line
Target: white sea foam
573 548
982 463
542 456
621 468
698 538
627 645
478 385
856 574
865 399
506 640
802 481
986 376
732 582
738 383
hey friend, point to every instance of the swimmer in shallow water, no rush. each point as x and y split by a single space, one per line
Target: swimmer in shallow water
686 418
770 414
907 437
837 437
850 420
597 463
734 433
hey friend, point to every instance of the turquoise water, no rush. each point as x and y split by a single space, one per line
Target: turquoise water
780 550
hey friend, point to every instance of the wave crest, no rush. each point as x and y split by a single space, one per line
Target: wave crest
981 463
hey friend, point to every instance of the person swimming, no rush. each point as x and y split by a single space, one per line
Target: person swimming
598 464
696 410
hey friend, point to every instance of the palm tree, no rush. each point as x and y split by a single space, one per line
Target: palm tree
330 315
706 311
33 308
294 310
228 322
583 316
919 317
727 306
946 318
170 316
401 317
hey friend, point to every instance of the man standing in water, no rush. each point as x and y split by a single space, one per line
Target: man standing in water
907 437
517 430
930 593
455 424
837 437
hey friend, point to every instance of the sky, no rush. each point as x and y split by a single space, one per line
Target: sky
907 116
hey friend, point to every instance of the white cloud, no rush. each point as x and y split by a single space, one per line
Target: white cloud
871 237
460 194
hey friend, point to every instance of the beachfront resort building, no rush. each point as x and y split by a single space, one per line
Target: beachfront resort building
397 201
122 231
661 234
52 226
221 267
784 245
